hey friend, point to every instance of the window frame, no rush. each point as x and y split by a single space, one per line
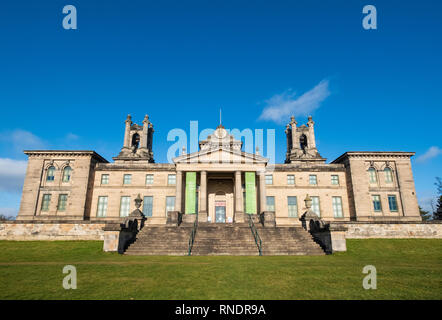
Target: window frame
146 179
291 205
168 179
174 201
64 175
47 196
393 196
372 173
289 178
388 177
151 206
107 180
373 202
335 180
52 170
65 201
269 206
318 205
125 204
101 206
124 178
268 178
315 179
337 205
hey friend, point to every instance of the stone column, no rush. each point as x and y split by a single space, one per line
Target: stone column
295 139
262 191
311 133
127 132
179 191
202 215
144 136
239 210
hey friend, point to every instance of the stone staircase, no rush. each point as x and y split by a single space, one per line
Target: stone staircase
223 239
288 241
161 240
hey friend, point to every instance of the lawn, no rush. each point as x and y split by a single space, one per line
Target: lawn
406 269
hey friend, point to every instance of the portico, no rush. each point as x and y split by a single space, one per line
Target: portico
220 168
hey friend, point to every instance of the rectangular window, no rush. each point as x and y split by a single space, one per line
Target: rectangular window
313 180
62 199
127 179
149 179
148 206
104 179
269 179
124 206
337 207
315 206
392 202
376 202
291 179
335 180
292 204
102 206
45 203
270 203
170 204
171 179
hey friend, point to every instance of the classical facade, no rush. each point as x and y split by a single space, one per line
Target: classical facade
220 182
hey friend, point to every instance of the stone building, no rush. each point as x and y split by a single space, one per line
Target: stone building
220 182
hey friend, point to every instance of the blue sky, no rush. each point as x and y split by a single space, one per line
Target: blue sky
379 90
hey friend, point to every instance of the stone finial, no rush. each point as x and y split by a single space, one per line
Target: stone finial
183 151
129 118
310 121
146 119
138 201
292 120
257 150
308 202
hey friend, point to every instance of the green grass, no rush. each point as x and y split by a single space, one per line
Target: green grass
406 269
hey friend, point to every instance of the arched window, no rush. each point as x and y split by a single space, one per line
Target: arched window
51 174
388 175
135 141
372 175
303 142
67 174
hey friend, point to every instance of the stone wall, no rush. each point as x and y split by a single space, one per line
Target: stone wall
365 230
51 230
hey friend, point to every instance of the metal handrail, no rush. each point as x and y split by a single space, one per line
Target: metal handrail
192 235
255 234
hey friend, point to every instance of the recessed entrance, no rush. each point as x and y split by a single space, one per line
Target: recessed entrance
220 211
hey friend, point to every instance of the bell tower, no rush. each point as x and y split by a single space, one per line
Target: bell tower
137 143
301 144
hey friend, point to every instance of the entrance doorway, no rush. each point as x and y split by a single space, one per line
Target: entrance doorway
220 211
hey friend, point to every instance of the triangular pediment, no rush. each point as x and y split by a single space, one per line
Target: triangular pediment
221 154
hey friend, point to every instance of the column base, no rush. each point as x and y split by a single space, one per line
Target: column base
239 217
202 216
189 218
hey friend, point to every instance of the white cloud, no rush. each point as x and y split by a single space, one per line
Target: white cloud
71 136
281 106
12 174
21 140
430 154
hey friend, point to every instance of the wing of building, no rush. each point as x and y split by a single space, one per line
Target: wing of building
220 182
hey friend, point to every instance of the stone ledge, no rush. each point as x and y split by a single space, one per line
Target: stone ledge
57 222
389 222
